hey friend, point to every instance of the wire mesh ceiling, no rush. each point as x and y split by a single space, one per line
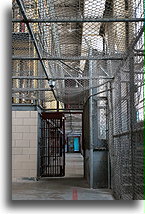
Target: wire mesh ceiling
57 40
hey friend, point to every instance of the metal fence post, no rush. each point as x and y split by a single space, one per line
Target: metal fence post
132 116
90 119
110 131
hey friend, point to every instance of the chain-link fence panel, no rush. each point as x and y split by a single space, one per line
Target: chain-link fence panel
126 145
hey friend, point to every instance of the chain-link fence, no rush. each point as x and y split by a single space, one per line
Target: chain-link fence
126 116
62 36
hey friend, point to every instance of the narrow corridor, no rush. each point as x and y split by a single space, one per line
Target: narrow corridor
74 165
72 187
78 88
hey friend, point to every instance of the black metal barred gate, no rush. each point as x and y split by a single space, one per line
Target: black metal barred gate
52 145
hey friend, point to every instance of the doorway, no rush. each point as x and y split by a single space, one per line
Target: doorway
73 144
60 146
51 146
74 160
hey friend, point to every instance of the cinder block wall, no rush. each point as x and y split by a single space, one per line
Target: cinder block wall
24 144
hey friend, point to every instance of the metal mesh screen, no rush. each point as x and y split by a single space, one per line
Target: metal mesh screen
65 35
126 128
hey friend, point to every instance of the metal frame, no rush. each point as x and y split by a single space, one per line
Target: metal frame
130 53
61 78
52 145
91 145
20 4
30 89
79 20
53 58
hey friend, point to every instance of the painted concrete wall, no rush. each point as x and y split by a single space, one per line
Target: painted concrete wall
100 175
24 144
100 157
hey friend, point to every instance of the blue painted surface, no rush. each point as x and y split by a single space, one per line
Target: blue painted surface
76 144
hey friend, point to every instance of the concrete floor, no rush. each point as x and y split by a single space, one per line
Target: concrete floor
74 165
58 189
72 187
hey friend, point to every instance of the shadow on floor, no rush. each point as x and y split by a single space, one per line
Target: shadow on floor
58 189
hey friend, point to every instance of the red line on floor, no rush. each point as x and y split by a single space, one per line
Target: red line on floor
74 194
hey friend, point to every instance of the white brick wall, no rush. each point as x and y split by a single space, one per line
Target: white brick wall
24 144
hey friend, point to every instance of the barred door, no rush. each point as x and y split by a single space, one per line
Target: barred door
52 145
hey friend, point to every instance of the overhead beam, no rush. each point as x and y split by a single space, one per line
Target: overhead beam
66 111
29 89
69 58
60 78
22 9
48 20
29 78
75 58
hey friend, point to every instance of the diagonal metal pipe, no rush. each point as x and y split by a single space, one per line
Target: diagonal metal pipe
22 9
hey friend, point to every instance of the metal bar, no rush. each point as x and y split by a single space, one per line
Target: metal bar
71 76
22 9
48 20
61 78
55 34
139 54
110 126
118 92
25 98
132 112
38 146
134 42
69 58
63 128
97 94
29 77
64 111
130 48
71 67
128 132
91 165
29 89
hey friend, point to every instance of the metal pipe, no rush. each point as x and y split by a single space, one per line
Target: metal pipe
48 20
29 89
22 9
60 78
110 137
72 76
90 121
66 111
69 58
29 77
79 70
129 50
132 112
134 42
